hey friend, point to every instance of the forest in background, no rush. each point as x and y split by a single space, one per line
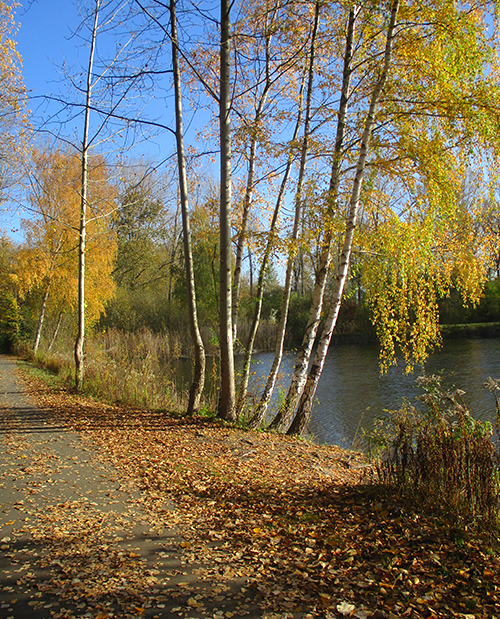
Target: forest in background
357 146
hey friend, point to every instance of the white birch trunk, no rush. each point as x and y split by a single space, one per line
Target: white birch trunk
38 334
80 339
243 387
199 350
285 415
280 340
307 397
247 201
45 299
56 331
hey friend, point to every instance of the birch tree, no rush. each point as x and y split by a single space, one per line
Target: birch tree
47 262
266 64
424 136
283 418
113 80
226 405
82 237
307 395
247 199
273 374
258 415
199 349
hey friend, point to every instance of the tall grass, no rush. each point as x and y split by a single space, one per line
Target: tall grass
135 369
139 368
265 338
441 457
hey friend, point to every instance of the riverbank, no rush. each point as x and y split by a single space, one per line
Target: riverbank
448 332
468 331
237 524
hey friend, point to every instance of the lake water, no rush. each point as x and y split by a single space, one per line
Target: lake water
352 393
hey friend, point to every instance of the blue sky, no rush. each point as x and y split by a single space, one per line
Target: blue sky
43 41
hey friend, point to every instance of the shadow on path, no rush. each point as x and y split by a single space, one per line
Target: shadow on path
75 540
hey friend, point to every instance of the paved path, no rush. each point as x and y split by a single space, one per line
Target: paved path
74 540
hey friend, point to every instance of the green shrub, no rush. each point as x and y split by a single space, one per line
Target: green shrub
441 457
10 321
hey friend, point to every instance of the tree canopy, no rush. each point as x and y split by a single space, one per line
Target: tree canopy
48 260
13 118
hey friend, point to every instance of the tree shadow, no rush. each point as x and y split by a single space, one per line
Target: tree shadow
28 419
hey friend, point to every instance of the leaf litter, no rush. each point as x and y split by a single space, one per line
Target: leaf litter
220 522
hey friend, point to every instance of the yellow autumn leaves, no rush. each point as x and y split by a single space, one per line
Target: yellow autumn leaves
49 259
13 122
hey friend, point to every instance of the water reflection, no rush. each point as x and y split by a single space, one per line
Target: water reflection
352 392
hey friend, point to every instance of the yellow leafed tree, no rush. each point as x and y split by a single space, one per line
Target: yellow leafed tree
48 261
12 98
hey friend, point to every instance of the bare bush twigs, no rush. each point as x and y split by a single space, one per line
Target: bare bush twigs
441 456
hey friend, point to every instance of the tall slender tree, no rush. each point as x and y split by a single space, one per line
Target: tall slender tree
226 405
266 74
307 395
304 151
422 130
109 81
259 414
47 262
82 238
285 414
199 349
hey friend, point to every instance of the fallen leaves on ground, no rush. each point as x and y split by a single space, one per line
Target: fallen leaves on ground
298 525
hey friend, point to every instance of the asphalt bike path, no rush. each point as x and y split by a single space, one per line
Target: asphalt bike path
75 540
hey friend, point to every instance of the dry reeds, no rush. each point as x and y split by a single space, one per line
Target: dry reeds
133 368
128 368
441 457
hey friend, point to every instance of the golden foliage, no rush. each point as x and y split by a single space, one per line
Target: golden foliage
49 258
415 261
13 122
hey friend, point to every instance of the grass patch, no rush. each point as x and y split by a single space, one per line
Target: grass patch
134 369
37 369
